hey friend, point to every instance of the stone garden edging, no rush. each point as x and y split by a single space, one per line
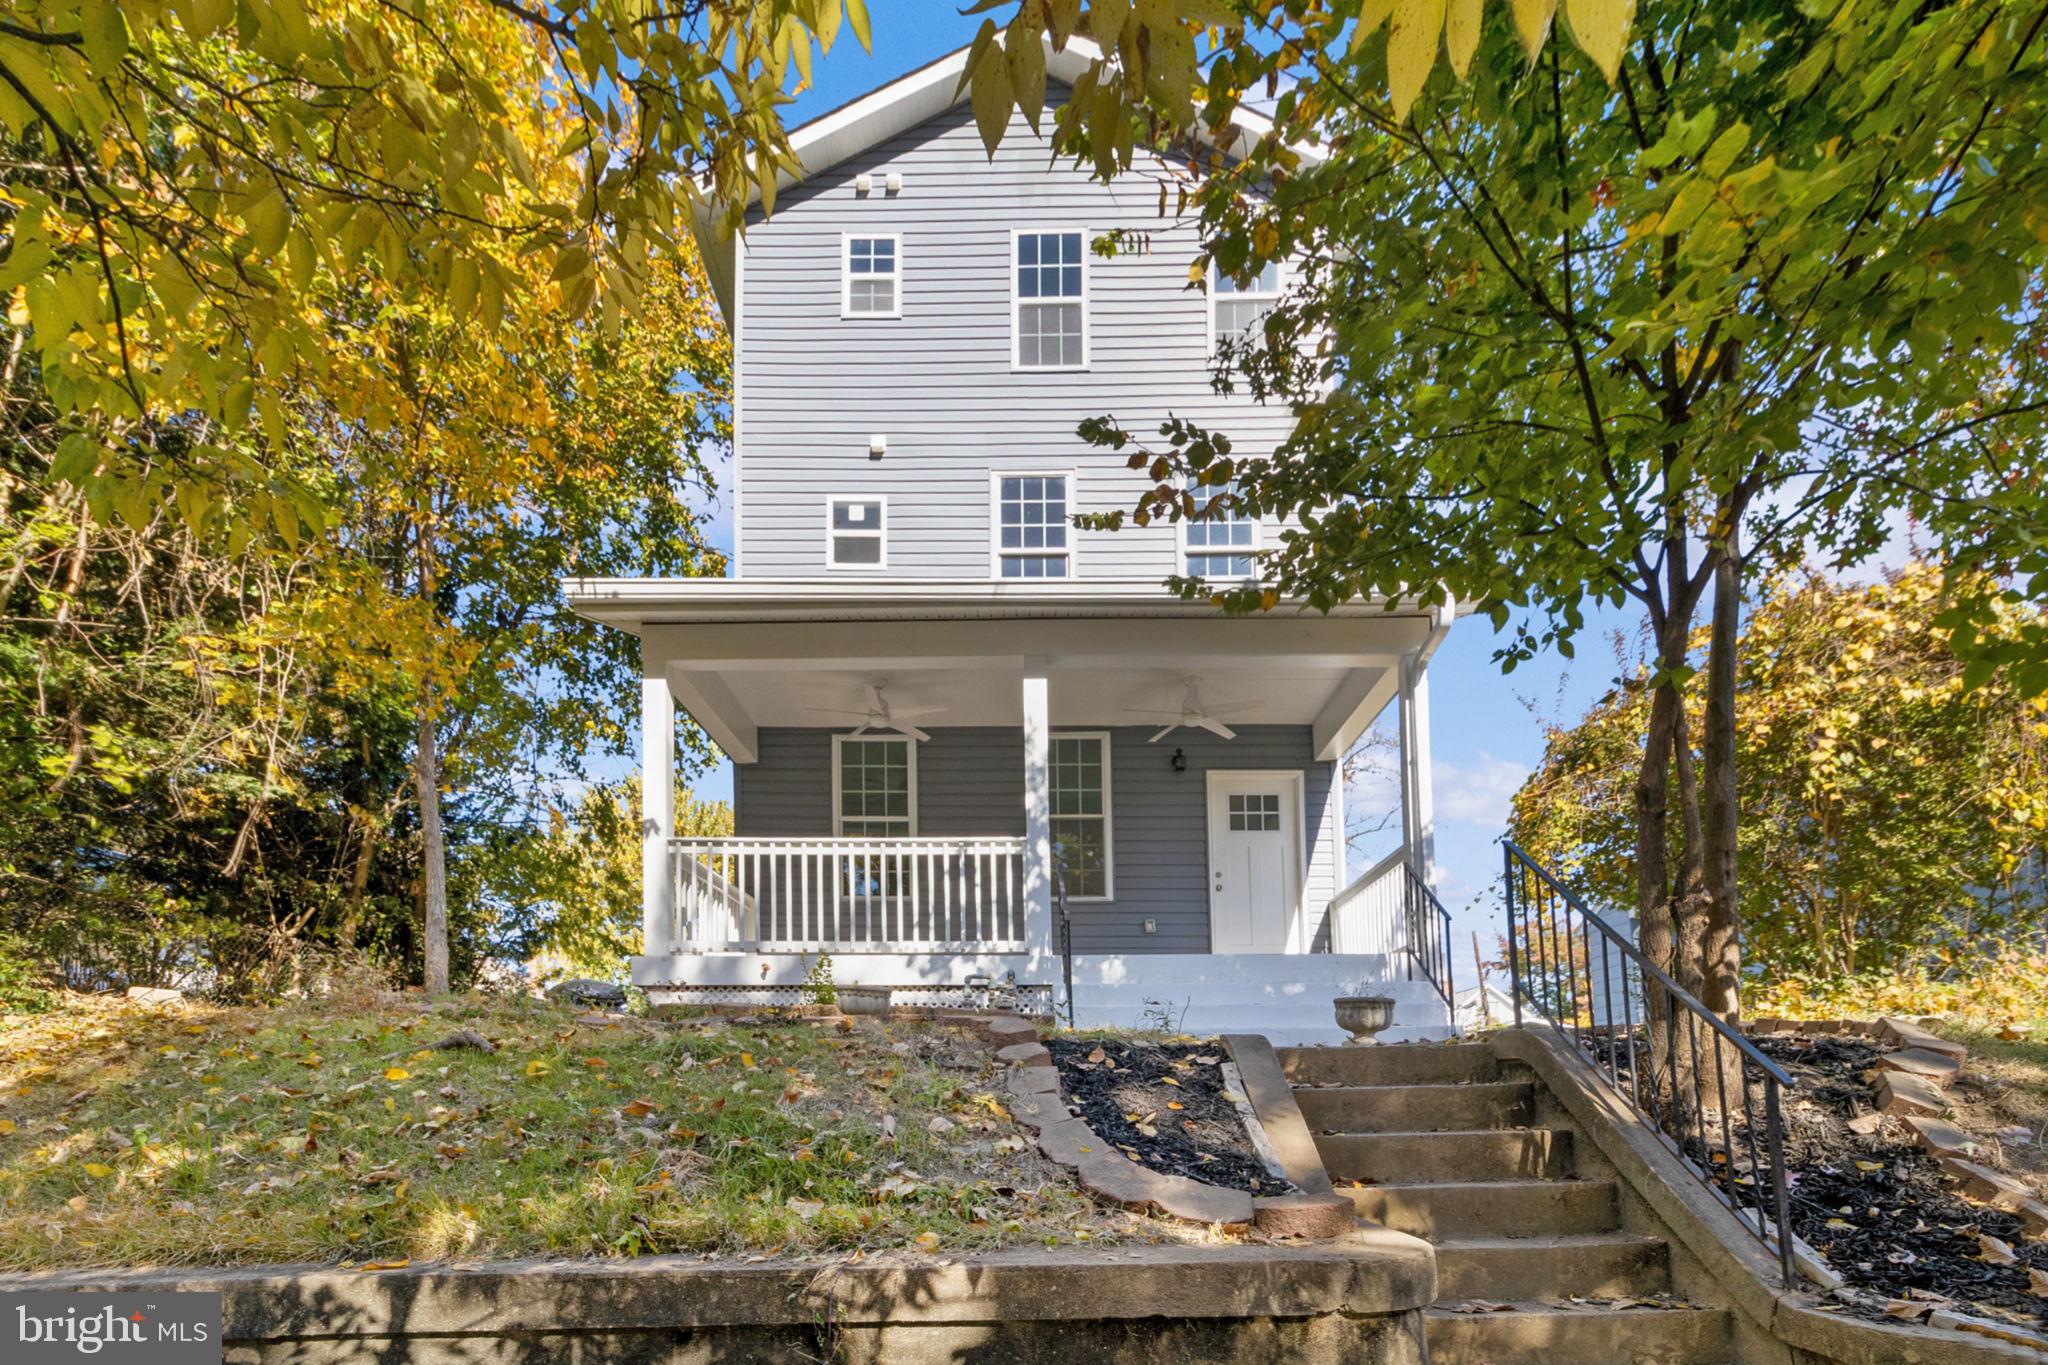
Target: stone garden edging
1110 1176
1916 1073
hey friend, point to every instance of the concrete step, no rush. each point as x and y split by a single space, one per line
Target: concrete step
1423 1158
1427 1064
1586 1265
1499 1208
1544 1335
1416 1108
1282 1024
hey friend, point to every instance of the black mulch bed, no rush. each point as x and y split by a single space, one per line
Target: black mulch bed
1880 1210
1126 1092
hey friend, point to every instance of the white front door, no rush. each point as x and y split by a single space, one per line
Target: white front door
1254 857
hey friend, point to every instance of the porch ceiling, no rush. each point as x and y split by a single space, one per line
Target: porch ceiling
741 656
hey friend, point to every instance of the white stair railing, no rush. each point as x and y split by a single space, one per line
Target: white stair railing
848 895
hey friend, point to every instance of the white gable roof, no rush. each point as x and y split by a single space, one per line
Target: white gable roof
894 108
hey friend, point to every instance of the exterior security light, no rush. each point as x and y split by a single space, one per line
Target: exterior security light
878 445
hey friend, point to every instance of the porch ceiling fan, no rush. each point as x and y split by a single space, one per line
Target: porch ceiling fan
1193 715
880 715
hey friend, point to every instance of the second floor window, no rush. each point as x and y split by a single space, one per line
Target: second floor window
1031 526
1239 309
1050 302
854 533
872 273
1219 545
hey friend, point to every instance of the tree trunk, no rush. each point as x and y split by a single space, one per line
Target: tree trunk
1721 942
433 856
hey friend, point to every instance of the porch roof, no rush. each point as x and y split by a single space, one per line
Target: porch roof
740 655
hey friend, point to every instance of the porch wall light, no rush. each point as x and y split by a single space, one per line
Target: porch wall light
1180 760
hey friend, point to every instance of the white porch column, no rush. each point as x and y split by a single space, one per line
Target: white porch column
1418 813
1041 935
657 807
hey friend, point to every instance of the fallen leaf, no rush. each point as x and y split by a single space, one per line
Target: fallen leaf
926 1241
97 1170
397 1073
1907 1309
6 1127
747 1060
399 1264
596 1063
1870 1165
806 1209
1175 1104
2037 1282
1097 1055
636 1108
1992 1251
536 1067
939 1124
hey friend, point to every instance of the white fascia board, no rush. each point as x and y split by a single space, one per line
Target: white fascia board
630 602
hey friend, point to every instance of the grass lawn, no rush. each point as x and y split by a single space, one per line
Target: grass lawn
332 1131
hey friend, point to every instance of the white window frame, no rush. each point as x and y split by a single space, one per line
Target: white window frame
1017 303
846 241
1215 296
996 553
880 534
1258 543
1108 817
839 785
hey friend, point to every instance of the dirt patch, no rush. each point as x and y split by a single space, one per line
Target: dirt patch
1164 1105
1879 1208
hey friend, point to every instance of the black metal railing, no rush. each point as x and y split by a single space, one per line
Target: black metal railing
1666 1055
1429 936
1064 917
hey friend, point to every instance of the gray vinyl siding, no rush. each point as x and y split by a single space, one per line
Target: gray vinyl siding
970 781
937 381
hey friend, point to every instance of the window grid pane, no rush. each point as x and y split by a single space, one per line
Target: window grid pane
1049 268
874 786
871 275
1218 546
1080 824
1031 525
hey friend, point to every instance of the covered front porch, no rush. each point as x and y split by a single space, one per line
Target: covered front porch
1079 793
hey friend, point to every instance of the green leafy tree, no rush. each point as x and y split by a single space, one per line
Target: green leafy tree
1569 331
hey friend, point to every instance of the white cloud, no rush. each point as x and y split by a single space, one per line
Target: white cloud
1480 791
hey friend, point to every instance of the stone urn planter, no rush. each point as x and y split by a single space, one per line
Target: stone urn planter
862 999
1362 1016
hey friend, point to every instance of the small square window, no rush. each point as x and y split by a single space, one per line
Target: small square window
872 275
855 533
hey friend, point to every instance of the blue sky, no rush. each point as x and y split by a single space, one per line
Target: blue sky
1487 730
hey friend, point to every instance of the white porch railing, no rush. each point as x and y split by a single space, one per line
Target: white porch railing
1370 915
1390 910
848 895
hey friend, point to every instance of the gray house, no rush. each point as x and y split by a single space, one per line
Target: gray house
972 742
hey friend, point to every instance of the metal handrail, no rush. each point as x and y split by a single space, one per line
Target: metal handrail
1622 1034
1429 939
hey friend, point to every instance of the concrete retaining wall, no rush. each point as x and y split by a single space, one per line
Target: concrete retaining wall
1358 1305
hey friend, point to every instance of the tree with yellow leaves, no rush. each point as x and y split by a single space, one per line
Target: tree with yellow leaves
1892 816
